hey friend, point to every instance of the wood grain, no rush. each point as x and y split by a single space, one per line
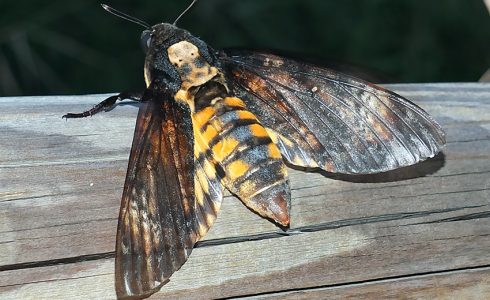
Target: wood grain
424 226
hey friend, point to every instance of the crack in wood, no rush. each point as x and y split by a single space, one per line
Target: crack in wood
467 217
54 280
343 191
434 194
254 237
367 281
380 218
59 261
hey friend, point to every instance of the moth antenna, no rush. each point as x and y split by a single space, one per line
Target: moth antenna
125 16
184 12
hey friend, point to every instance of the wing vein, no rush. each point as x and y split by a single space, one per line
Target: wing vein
369 126
323 121
398 116
384 104
421 113
407 125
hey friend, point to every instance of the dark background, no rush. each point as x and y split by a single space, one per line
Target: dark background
75 47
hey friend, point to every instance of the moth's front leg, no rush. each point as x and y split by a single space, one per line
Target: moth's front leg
107 104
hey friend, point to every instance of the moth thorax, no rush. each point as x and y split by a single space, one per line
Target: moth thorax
193 69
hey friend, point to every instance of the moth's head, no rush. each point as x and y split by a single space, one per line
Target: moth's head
155 41
159 34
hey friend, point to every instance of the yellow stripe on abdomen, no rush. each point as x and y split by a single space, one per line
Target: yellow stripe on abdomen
238 144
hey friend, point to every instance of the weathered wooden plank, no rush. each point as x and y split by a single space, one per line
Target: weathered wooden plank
328 257
60 184
468 284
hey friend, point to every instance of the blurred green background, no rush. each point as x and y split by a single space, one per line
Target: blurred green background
75 47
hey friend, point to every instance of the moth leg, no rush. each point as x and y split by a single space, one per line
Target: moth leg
107 104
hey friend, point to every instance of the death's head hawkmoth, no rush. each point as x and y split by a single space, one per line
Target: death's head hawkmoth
213 119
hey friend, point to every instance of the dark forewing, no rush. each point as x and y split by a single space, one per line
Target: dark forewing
157 222
323 118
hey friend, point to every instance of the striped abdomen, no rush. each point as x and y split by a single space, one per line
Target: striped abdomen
231 142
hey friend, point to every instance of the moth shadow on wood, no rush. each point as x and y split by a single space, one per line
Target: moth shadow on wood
421 169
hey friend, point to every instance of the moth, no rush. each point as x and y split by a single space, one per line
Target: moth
211 120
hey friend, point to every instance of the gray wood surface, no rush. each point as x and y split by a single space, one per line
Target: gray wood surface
418 232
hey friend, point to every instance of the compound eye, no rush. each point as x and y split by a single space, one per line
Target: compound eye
146 40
